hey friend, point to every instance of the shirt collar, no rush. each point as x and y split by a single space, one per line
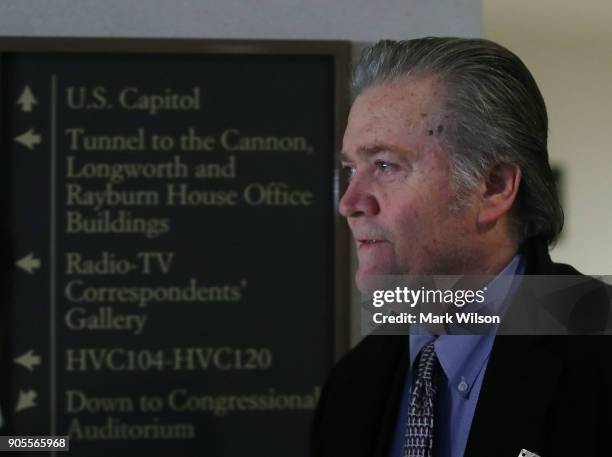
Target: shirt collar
462 357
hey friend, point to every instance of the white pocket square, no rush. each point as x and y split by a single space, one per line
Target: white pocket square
526 453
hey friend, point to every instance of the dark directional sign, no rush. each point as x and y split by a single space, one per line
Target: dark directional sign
175 272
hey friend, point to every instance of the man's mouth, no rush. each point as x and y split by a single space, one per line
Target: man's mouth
369 242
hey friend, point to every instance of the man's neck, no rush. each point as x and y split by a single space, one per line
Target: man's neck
493 257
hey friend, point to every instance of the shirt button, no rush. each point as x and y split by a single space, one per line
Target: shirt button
463 387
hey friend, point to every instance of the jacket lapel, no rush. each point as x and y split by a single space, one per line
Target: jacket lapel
392 402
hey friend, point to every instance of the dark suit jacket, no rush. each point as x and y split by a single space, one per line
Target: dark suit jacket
548 394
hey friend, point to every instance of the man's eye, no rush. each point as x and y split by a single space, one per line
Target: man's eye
383 165
348 171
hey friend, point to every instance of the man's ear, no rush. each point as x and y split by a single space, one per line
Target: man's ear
498 191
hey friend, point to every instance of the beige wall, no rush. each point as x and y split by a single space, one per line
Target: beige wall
568 47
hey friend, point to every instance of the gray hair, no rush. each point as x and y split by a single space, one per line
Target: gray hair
496 114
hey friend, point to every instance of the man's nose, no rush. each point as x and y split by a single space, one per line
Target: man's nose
358 200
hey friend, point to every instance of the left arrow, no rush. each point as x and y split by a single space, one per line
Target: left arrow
28 263
26 400
26 99
29 139
28 360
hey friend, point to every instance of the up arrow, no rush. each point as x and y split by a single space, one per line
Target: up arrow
26 100
28 139
28 263
28 360
26 400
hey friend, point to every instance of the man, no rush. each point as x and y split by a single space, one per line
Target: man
446 152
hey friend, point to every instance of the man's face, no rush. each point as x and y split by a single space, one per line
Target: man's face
399 199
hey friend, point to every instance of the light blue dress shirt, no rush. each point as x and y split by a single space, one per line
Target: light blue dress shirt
463 359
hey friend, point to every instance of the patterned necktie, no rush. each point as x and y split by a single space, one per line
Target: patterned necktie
420 425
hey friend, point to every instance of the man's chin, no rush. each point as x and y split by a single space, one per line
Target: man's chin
366 281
